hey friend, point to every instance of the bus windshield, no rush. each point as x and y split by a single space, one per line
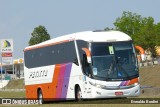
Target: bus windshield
114 61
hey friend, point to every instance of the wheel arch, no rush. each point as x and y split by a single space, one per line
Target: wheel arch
76 89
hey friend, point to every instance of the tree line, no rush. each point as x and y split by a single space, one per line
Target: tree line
143 30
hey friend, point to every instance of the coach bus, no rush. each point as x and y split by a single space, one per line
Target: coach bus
83 65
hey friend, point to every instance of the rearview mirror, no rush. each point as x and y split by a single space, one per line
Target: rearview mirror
88 53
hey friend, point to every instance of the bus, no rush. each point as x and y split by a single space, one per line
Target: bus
83 65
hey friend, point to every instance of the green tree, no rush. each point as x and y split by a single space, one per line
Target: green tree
130 23
39 35
157 30
146 37
141 29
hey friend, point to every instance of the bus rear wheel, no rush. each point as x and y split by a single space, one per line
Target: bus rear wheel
78 94
40 97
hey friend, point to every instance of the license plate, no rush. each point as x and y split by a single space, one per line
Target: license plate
118 93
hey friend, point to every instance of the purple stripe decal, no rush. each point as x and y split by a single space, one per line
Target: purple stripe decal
121 83
60 80
124 83
66 80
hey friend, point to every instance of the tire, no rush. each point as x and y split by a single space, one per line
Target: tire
40 97
78 94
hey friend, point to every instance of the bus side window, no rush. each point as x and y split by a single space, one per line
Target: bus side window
85 65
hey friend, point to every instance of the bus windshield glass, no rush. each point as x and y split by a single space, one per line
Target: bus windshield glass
114 61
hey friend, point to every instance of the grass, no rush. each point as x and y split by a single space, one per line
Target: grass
15 84
100 105
150 76
12 94
86 105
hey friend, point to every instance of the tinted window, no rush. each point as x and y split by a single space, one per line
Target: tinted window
50 55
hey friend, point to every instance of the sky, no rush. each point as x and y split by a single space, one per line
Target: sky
18 18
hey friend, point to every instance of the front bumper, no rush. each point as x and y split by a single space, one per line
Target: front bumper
103 93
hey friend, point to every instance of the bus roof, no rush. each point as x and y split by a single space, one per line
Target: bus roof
90 36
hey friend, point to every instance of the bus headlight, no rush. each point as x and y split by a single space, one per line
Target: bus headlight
98 85
137 83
